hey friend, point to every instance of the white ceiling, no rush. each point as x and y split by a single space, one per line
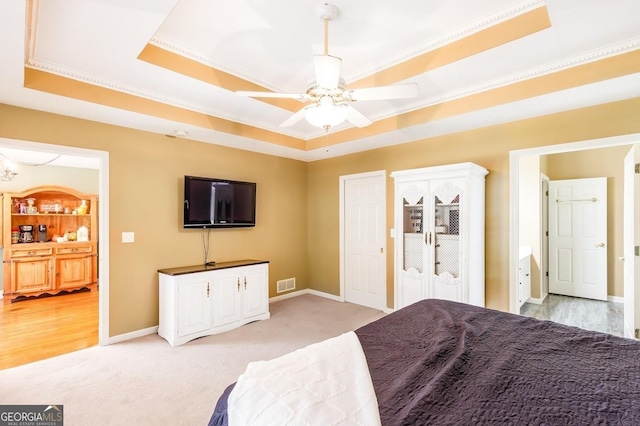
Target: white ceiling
272 43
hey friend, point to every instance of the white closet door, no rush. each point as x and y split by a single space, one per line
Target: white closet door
365 239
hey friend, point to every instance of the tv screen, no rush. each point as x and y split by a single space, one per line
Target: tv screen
218 203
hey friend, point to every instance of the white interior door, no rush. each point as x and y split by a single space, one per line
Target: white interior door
578 238
365 240
630 241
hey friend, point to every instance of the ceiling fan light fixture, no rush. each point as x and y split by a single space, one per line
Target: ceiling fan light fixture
326 114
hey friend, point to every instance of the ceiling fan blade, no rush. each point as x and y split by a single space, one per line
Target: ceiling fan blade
357 118
397 91
299 96
294 118
327 69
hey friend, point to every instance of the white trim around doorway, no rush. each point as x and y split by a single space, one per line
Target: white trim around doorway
514 181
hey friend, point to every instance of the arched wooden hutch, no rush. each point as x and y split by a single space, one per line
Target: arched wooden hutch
46 265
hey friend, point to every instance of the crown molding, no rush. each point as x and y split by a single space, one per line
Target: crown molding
523 7
550 68
459 34
477 26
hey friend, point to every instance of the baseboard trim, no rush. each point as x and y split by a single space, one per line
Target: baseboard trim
289 295
303 292
616 299
326 295
132 335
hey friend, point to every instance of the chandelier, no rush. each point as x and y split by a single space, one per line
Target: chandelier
9 172
10 168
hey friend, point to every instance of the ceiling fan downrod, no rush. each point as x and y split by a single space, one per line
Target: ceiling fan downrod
328 12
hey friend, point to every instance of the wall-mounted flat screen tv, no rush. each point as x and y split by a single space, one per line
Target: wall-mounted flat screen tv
218 203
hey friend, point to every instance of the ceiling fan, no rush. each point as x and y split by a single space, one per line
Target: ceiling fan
329 99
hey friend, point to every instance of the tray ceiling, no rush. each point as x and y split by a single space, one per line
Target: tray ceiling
172 66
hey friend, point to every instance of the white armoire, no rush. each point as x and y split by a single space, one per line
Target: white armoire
439 234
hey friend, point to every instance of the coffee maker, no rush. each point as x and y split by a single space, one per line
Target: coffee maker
42 233
26 234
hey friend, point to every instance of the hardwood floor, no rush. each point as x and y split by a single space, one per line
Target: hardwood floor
595 315
36 329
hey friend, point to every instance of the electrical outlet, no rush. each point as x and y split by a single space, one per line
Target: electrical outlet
127 237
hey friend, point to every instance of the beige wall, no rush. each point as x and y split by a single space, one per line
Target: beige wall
488 147
297 202
605 162
146 175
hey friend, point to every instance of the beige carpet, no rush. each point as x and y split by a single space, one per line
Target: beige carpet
145 381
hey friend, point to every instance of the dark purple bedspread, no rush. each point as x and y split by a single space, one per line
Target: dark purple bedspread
438 362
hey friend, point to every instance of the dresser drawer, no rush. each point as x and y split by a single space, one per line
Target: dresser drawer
84 248
31 251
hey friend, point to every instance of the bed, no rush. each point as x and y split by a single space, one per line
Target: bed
441 362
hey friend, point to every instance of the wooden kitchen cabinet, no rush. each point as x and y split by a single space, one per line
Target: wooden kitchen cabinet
31 274
45 265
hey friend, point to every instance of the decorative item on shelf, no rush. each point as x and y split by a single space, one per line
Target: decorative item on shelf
70 236
16 206
15 235
31 209
82 208
47 208
416 220
83 233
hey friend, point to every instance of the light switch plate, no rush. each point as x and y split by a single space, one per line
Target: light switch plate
127 237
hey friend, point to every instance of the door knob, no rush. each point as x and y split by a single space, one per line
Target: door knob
600 245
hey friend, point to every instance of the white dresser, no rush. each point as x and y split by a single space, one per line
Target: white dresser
524 275
197 301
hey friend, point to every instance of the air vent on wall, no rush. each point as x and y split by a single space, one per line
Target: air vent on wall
286 285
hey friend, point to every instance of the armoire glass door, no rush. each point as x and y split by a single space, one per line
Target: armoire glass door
412 231
446 229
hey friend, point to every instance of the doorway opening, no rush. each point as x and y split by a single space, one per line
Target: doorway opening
97 160
515 207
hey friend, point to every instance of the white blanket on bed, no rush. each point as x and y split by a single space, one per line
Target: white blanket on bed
327 383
